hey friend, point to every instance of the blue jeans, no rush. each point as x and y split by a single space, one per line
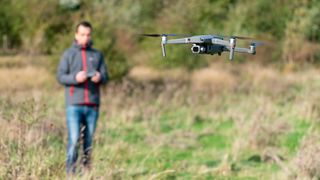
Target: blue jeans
80 118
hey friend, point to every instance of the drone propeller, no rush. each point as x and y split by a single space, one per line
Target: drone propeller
244 38
239 37
260 43
163 40
253 41
161 35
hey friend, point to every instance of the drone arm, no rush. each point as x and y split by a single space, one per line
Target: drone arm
163 46
220 42
229 45
184 41
239 50
177 41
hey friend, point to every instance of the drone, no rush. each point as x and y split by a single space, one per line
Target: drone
209 44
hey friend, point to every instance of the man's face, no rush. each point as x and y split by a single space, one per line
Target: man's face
83 35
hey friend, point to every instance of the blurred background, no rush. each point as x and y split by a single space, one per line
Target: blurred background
200 116
47 28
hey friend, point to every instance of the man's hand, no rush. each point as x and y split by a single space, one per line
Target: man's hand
81 77
96 78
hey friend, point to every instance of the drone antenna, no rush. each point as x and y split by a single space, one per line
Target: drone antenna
232 47
163 44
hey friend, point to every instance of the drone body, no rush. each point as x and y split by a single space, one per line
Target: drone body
208 44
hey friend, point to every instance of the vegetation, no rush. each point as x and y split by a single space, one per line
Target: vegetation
221 122
293 27
189 117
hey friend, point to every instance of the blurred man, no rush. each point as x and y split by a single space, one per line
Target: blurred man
81 70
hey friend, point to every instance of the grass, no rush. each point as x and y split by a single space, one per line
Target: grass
252 127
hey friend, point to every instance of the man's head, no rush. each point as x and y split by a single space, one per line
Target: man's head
83 33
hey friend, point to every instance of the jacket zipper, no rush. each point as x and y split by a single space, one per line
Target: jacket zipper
86 85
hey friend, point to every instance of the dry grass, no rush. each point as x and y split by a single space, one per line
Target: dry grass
26 78
24 73
147 74
213 79
307 163
265 129
150 115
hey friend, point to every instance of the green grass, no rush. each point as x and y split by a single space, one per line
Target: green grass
292 139
123 150
222 135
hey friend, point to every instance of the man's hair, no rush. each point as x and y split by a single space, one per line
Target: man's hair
85 24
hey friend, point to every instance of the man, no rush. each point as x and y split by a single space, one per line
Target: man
81 70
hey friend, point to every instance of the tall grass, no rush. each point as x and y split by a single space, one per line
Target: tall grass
226 121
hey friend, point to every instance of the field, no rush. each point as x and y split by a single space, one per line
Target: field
226 121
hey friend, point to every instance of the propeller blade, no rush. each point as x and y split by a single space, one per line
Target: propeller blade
238 37
260 43
253 41
242 37
160 35
151 35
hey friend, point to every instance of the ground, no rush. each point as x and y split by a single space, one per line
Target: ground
227 121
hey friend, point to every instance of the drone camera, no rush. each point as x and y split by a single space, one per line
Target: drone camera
195 49
198 49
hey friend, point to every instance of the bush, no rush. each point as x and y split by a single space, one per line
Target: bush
10 24
46 27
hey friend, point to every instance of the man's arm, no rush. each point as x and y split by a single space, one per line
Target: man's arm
63 74
103 71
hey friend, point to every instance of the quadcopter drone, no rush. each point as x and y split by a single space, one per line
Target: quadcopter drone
208 44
